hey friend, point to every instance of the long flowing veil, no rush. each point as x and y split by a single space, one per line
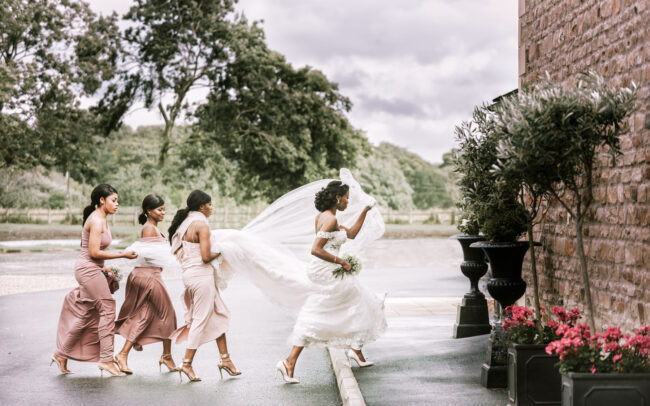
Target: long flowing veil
273 250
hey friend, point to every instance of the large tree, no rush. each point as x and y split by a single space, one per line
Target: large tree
52 54
281 126
173 47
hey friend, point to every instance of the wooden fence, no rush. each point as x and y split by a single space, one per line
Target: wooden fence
222 217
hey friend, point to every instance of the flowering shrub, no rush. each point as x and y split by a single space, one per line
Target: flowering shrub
522 328
607 352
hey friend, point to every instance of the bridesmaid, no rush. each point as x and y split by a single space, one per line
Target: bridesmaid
147 315
207 316
85 331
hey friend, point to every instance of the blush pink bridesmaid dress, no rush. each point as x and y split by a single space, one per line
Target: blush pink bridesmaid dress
147 315
85 331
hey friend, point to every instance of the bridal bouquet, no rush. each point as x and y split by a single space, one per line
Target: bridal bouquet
354 262
117 274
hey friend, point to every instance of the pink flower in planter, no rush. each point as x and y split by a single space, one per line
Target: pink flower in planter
574 315
552 324
560 313
616 358
612 334
612 346
593 369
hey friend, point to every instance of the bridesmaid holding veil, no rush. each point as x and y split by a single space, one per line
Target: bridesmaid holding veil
207 316
147 315
85 331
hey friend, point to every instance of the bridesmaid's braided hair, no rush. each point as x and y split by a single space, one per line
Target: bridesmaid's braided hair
326 197
104 190
150 202
194 202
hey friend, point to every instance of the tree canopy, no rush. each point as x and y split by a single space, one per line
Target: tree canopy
52 54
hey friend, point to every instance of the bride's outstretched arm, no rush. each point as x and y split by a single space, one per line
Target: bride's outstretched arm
354 230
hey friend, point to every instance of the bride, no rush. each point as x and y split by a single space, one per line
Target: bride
274 251
340 312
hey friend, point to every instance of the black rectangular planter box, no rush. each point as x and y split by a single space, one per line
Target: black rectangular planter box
533 378
584 389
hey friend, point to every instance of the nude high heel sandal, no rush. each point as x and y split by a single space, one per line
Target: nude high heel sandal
161 362
227 368
285 375
186 369
122 368
102 369
353 355
63 371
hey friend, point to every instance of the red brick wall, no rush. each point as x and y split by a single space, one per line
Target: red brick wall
611 37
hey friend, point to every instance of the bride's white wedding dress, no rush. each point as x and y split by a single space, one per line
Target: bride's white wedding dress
340 312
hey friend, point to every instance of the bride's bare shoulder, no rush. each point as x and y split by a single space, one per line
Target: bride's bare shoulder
326 222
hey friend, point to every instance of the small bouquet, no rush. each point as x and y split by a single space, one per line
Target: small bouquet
353 261
116 273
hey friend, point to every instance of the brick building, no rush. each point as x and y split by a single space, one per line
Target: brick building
610 37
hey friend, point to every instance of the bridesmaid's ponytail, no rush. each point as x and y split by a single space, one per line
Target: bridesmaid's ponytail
180 216
104 190
87 211
194 202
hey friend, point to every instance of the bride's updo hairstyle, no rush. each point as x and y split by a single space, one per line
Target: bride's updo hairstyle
104 190
326 197
194 202
150 202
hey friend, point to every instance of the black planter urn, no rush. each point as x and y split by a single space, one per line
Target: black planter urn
533 378
506 287
600 389
472 318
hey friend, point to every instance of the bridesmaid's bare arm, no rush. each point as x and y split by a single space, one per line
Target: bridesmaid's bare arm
95 227
204 241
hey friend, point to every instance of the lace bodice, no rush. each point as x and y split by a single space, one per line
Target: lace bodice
334 240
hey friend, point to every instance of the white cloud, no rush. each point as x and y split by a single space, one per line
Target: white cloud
413 69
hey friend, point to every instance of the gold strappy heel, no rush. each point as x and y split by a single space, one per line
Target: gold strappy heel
122 368
227 368
162 361
187 370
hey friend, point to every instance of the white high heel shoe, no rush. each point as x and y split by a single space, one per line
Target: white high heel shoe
285 375
353 355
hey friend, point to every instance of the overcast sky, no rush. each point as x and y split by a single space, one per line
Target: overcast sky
412 68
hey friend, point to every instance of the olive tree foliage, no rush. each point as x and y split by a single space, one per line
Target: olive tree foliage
489 203
552 136
171 48
282 127
52 53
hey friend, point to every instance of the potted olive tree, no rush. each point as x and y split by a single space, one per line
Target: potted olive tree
472 162
552 137
502 219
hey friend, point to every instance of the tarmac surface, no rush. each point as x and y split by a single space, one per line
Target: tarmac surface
416 361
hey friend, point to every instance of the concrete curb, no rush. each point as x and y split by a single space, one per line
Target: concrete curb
348 387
